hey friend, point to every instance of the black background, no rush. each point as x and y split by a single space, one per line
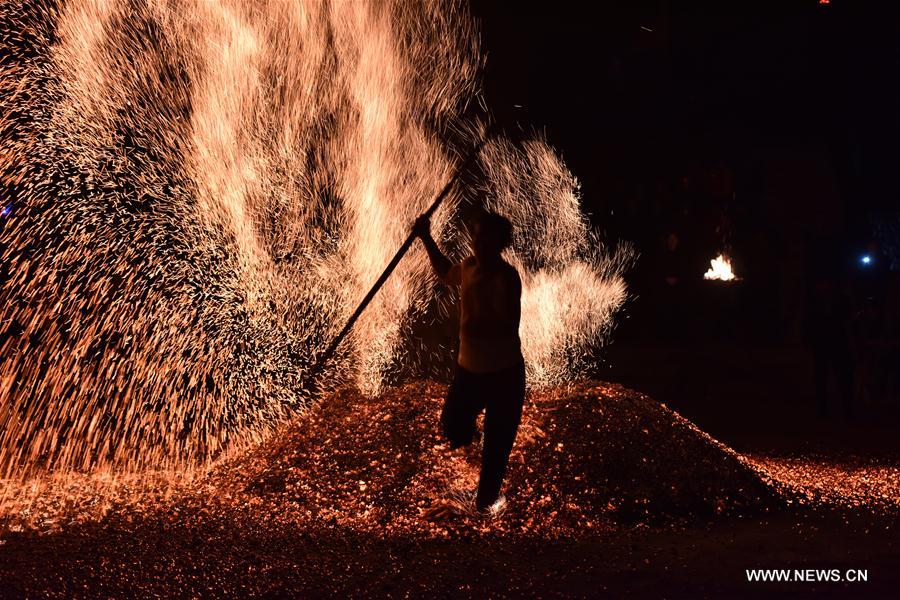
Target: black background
767 131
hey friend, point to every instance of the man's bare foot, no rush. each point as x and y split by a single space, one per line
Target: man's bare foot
494 509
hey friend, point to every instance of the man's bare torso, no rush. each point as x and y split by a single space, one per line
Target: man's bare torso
490 310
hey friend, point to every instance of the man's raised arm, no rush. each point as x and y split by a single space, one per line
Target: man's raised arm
445 269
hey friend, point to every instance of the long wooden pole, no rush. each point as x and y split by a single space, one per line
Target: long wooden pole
332 348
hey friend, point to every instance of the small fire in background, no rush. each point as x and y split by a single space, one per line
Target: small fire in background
720 269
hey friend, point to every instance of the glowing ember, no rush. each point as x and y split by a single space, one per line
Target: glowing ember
353 479
203 191
588 455
720 269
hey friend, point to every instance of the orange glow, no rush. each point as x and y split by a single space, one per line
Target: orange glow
720 269
214 185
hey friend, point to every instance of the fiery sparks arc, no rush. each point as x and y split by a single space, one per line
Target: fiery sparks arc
197 194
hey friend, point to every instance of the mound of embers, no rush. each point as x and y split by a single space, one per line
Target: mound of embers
586 458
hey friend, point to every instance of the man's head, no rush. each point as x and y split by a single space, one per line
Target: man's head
492 235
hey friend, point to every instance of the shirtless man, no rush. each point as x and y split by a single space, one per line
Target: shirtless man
490 370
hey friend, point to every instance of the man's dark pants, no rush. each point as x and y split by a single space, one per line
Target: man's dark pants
502 395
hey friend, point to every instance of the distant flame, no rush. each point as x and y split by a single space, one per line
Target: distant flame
720 269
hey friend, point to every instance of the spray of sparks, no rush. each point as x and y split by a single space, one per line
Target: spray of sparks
197 194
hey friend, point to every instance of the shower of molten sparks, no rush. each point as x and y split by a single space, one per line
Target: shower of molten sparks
720 269
202 191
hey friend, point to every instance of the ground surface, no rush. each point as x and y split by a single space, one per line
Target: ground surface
609 492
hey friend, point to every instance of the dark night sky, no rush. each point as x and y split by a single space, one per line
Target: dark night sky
769 130
637 90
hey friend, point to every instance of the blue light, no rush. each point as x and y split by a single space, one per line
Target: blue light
866 259
6 210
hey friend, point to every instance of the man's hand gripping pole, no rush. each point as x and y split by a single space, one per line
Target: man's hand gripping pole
326 356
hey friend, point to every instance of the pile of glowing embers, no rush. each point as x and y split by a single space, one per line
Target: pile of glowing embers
585 458
588 458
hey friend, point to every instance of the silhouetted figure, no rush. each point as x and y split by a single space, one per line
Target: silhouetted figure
490 370
866 329
673 304
828 331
